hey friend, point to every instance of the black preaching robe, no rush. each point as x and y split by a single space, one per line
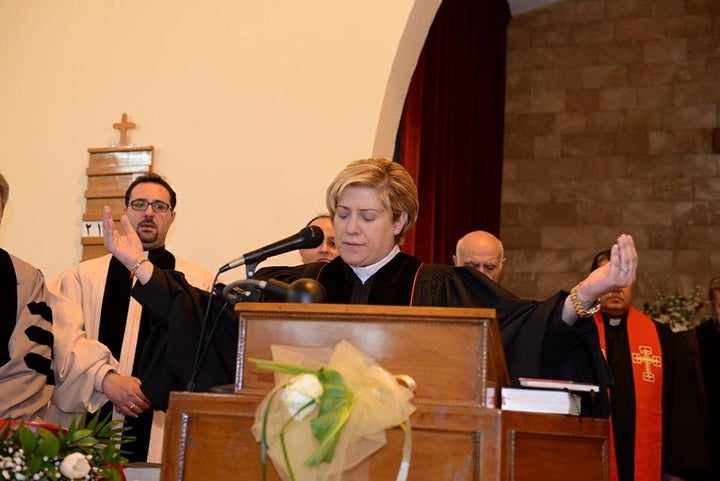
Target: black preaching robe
167 360
113 320
707 338
537 342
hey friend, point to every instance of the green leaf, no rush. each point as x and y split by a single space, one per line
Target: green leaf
33 464
80 435
263 436
49 444
282 367
336 404
28 441
94 420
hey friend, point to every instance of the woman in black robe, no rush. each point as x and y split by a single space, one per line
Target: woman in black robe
373 204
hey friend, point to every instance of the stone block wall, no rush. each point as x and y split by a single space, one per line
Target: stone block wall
610 107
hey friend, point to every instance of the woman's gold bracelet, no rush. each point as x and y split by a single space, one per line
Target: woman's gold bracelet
579 308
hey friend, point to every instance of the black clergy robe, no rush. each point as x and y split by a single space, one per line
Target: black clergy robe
536 341
113 318
707 338
171 349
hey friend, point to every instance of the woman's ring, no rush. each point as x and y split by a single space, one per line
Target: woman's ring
132 407
625 269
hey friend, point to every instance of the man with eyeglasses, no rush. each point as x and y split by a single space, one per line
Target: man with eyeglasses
99 345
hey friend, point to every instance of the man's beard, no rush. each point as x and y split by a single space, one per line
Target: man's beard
147 237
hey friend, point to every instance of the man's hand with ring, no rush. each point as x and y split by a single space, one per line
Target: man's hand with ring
125 394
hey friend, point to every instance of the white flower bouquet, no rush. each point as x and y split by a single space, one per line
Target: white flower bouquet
87 449
324 418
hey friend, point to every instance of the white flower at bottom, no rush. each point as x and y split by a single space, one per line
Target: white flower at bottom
303 389
75 466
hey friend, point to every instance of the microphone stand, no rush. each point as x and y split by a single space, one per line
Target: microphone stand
201 350
243 290
251 268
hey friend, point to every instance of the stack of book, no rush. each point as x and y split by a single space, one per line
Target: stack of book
545 396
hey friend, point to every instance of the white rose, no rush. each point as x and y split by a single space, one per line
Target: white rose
303 389
75 466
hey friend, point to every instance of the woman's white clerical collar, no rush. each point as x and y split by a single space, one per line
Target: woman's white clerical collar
365 273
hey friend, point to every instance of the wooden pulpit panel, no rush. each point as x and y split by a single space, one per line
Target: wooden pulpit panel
455 355
216 443
564 448
207 436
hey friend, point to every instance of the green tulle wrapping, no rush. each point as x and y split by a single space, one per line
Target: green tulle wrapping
361 400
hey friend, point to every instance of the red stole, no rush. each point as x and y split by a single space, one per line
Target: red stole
647 369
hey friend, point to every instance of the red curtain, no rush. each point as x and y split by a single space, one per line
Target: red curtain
451 132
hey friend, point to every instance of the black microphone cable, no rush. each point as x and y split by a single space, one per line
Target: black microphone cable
201 357
194 373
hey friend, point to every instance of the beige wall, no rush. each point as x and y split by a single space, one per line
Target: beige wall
252 107
610 108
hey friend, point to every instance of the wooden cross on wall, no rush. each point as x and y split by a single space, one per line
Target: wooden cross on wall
123 127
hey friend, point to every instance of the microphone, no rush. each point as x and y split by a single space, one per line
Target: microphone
308 237
302 290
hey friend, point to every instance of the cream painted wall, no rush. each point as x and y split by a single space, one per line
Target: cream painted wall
252 106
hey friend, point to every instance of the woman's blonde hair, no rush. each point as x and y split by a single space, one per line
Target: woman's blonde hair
392 182
4 191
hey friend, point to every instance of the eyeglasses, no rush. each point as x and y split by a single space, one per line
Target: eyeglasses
157 205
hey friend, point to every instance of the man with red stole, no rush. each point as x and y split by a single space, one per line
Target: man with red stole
651 387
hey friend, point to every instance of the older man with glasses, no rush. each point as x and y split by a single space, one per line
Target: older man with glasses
99 341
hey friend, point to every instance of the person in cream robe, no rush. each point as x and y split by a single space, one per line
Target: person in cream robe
99 338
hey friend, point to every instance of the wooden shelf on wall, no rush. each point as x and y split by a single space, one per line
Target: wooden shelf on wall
110 172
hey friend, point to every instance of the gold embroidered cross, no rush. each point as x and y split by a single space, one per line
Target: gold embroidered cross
645 356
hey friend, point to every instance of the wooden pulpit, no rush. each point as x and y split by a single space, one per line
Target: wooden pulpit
455 356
